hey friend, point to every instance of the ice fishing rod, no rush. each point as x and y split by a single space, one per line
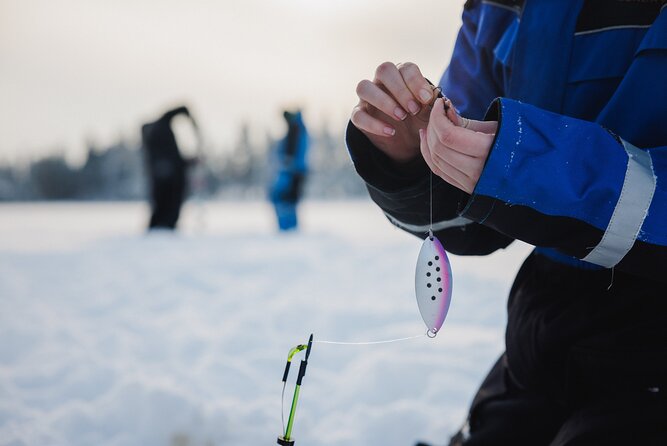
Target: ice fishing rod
433 292
286 438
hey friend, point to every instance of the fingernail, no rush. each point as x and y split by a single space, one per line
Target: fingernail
421 134
425 95
413 107
389 131
400 113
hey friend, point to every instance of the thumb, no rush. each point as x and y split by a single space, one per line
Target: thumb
443 116
488 127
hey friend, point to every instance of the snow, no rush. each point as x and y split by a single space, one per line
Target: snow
115 337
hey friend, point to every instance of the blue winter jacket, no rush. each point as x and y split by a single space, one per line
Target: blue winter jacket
289 161
578 167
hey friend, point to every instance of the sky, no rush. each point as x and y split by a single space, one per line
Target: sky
74 72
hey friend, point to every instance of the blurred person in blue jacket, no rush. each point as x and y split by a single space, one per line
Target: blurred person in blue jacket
558 138
290 167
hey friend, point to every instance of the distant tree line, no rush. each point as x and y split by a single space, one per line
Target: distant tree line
117 173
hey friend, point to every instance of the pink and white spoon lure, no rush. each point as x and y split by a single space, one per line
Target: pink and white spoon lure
433 284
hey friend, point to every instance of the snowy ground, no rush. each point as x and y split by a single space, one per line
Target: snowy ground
114 337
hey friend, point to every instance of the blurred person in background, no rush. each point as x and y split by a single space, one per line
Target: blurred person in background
289 164
558 139
166 168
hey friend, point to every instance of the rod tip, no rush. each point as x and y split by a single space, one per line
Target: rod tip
310 344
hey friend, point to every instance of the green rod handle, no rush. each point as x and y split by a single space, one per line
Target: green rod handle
292 412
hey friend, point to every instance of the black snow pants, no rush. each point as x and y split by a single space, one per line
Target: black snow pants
585 362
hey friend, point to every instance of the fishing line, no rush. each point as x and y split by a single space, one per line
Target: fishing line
282 405
370 342
430 200
431 332
286 439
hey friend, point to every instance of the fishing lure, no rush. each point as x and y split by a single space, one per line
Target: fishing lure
433 284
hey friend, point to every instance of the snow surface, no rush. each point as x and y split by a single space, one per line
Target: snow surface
111 336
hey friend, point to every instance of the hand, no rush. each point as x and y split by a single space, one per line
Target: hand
456 148
393 107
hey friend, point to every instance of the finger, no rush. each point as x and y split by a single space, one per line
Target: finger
367 123
378 98
390 78
423 148
452 181
445 158
445 169
462 140
489 127
416 82
451 112
426 154
468 165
